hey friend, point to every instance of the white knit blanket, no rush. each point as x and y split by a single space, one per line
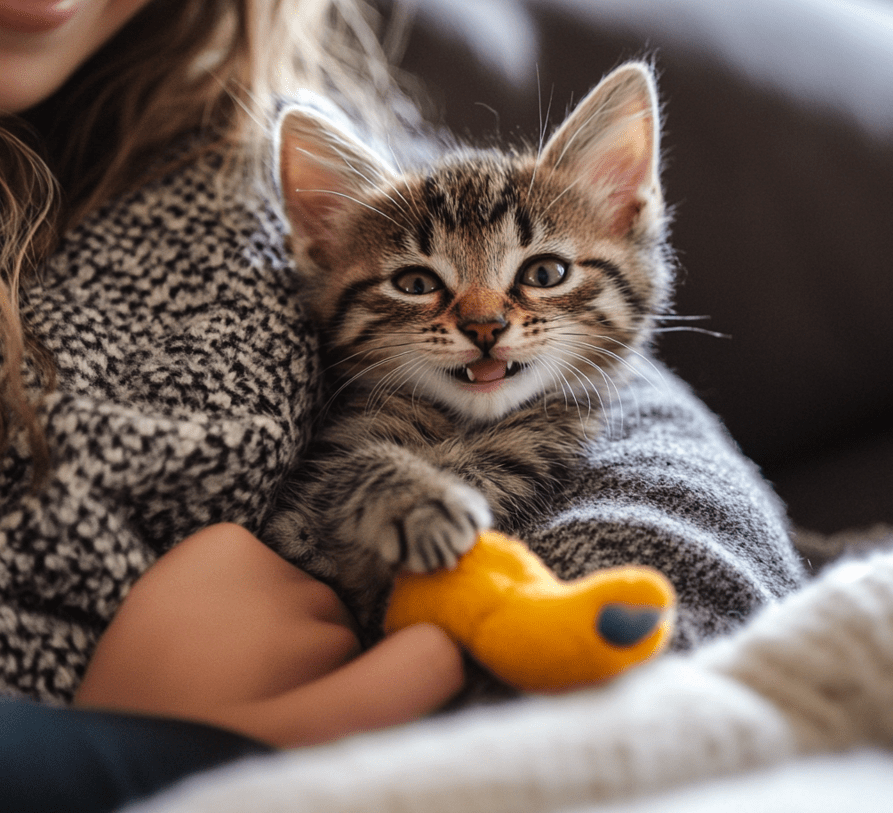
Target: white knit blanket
809 676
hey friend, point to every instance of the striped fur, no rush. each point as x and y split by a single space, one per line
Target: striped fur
537 273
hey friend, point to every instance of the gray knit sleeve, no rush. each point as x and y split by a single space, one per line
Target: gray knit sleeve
665 486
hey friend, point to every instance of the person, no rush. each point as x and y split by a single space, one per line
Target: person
134 243
158 380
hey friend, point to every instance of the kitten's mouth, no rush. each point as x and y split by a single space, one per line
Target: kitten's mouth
487 370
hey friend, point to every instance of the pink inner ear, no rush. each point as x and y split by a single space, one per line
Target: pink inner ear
309 212
627 204
625 218
313 195
624 168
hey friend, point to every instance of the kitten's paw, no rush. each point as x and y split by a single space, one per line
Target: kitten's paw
437 530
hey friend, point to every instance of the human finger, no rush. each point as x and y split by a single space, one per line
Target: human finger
407 676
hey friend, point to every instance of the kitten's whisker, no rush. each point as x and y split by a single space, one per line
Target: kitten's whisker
544 120
389 385
542 389
643 357
604 351
619 400
624 362
412 212
418 207
584 380
614 402
377 348
552 365
544 123
689 329
394 156
587 390
353 199
565 337
373 183
389 381
381 385
365 371
560 195
412 203
412 395
609 382
251 111
676 317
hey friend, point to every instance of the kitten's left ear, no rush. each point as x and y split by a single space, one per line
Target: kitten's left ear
609 144
323 169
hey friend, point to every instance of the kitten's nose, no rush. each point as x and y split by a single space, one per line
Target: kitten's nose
484 334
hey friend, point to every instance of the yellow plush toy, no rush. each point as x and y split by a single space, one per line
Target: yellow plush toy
533 631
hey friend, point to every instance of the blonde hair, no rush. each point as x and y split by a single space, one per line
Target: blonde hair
179 65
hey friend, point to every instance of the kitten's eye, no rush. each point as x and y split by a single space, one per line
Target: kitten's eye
543 272
417 280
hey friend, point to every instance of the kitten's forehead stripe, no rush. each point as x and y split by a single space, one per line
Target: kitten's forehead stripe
401 241
424 234
472 198
525 226
437 203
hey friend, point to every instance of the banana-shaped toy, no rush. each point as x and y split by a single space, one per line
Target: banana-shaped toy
530 629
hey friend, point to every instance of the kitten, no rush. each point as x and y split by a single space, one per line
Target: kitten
478 314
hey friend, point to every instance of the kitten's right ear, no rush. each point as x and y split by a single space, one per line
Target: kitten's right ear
322 170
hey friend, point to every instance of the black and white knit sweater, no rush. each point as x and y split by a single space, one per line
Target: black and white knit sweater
187 382
186 374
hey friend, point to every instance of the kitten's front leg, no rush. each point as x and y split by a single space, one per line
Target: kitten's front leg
386 498
415 515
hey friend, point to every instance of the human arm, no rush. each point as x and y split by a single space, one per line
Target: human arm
222 630
665 486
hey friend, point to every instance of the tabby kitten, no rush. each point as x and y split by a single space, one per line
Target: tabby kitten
478 315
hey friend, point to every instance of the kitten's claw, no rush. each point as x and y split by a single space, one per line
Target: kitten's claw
438 530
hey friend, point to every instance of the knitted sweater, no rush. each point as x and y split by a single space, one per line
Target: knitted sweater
187 383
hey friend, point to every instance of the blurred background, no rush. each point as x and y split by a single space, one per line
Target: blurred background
778 147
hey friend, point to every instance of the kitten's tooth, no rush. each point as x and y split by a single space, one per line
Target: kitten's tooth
508 367
470 374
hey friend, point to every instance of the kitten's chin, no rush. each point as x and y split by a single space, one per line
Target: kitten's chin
486 401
